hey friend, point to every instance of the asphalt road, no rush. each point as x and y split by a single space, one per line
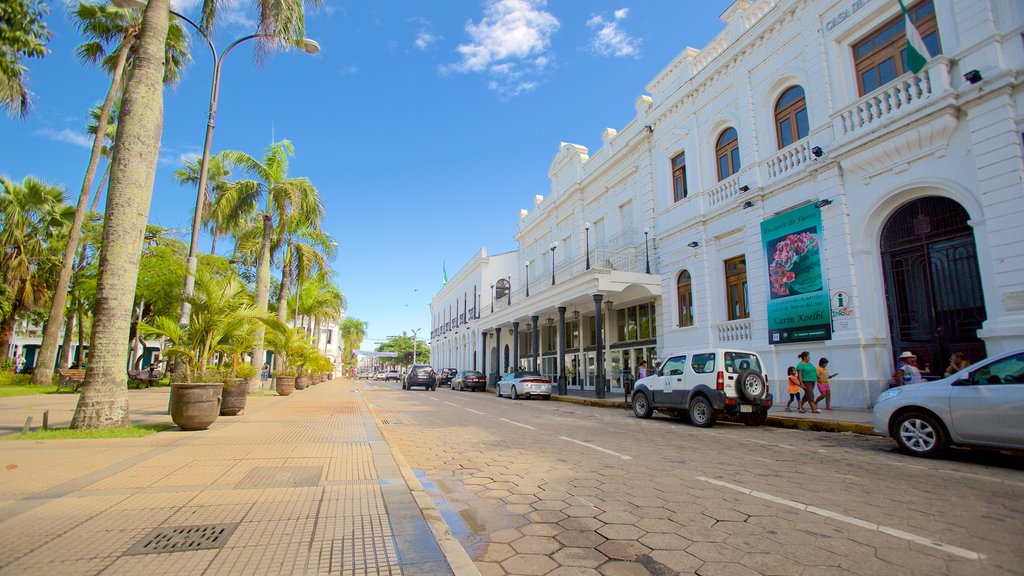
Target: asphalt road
535 487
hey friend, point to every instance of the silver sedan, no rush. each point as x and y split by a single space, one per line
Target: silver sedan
524 383
982 405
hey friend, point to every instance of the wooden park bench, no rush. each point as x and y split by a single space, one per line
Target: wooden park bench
70 378
148 377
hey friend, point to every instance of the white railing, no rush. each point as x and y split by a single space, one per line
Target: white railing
789 159
758 11
711 51
725 190
734 331
908 92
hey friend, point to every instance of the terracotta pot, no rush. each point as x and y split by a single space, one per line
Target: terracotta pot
316 379
302 382
235 394
285 385
195 406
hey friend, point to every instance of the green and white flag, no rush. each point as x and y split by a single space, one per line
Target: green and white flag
444 273
917 52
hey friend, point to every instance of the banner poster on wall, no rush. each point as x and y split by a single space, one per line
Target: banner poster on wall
798 298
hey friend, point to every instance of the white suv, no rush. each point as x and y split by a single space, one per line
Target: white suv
704 383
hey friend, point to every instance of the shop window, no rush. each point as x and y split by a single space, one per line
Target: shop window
644 322
679 177
727 153
882 56
684 298
791 117
736 287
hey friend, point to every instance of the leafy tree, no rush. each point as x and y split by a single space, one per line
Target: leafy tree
215 216
403 346
353 331
23 34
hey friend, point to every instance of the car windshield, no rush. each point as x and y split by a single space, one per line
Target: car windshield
736 362
472 374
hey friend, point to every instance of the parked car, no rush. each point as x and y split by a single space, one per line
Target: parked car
445 376
393 375
380 375
981 405
469 380
702 384
420 375
364 373
524 383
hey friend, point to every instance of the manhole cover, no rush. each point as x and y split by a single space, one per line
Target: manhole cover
280 477
183 539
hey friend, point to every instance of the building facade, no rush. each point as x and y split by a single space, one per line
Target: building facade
801 188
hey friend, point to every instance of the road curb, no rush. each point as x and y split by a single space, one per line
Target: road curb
773 420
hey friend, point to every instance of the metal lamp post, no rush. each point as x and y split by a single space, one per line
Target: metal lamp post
527 278
586 228
414 342
647 251
553 246
492 298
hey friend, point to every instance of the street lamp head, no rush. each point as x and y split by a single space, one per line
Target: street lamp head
587 225
308 44
554 245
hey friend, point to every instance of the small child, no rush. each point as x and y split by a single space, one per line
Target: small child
823 384
795 388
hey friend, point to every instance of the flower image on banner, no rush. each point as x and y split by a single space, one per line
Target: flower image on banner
798 300
795 267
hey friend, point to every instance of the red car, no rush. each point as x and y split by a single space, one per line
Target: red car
469 380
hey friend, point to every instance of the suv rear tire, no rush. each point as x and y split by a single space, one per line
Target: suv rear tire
702 413
641 407
750 386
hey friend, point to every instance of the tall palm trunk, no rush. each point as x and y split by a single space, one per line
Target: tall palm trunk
69 329
48 350
99 189
104 399
6 333
262 296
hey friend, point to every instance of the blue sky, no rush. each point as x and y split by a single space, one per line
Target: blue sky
426 126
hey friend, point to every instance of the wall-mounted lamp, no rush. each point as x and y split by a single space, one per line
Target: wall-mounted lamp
510 332
973 76
650 129
693 244
817 151
748 204
576 315
822 203
744 188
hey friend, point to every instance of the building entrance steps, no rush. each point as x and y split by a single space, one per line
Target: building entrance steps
303 484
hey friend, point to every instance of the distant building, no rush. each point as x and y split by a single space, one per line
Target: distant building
792 186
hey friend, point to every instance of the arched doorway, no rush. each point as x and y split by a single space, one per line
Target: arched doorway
932 285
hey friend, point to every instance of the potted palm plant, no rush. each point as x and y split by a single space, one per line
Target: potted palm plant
220 308
289 344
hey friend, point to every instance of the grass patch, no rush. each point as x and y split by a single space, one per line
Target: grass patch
133 431
21 385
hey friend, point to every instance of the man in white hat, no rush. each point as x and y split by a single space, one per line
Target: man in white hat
907 372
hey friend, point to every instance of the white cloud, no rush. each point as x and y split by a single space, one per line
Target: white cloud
510 41
175 159
69 136
609 39
424 39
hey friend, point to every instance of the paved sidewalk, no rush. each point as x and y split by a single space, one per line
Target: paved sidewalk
303 484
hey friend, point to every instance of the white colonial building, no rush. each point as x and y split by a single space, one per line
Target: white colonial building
800 189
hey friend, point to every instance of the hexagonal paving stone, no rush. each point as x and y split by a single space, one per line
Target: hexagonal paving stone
618 517
725 569
496 552
722 513
546 516
496 494
771 564
619 568
580 524
490 569
677 560
658 525
580 538
542 529
521 499
661 541
536 545
528 564
518 508
623 549
620 532
582 511
501 485
573 571
612 472
714 552
549 505
582 557
506 536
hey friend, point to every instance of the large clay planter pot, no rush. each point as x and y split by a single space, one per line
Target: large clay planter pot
235 394
195 406
316 379
285 385
302 382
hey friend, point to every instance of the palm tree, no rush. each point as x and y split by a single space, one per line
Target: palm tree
320 301
108 143
353 331
104 399
33 225
306 252
24 36
215 217
282 198
103 26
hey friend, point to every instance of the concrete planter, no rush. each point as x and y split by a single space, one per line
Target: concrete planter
195 406
285 385
302 382
234 397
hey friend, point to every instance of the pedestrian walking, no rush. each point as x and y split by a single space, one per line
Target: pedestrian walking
641 370
19 364
795 387
808 377
265 372
823 383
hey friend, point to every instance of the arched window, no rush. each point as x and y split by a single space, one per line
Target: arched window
727 152
882 56
684 298
791 116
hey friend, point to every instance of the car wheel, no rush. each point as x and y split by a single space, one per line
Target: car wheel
497 390
641 407
920 434
702 413
403 387
513 394
750 385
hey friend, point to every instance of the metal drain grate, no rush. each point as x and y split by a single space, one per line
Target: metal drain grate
183 539
391 422
280 477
